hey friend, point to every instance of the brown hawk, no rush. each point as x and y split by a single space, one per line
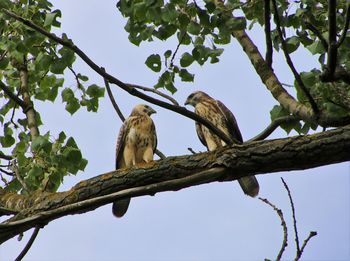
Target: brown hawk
137 142
218 114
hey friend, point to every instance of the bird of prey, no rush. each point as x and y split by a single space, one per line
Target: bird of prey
219 115
136 144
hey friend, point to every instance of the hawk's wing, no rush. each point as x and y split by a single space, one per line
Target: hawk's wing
200 134
230 122
120 145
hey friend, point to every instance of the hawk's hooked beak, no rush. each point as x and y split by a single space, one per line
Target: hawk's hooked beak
151 111
187 102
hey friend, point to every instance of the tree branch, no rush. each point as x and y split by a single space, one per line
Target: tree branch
111 98
172 100
312 234
132 91
269 49
346 26
317 33
294 218
29 112
225 164
332 41
290 62
13 97
283 224
273 126
29 244
270 80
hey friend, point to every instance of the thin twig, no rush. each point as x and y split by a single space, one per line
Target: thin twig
290 62
111 98
132 91
153 91
312 234
176 50
346 26
6 172
273 126
5 157
283 224
18 176
29 244
75 76
313 29
12 96
191 150
294 218
269 49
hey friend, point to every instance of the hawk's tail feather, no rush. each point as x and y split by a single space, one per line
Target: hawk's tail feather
120 207
249 185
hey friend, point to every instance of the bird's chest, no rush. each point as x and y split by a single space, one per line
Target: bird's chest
140 135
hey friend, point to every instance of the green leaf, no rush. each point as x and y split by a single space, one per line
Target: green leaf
67 95
3 63
35 172
58 66
95 91
153 62
292 44
72 106
41 142
316 48
193 28
186 76
167 54
186 60
7 141
72 155
237 23
50 18
278 111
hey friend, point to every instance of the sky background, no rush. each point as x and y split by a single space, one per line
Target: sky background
209 222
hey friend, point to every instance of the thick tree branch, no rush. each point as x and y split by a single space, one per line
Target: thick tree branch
290 62
270 80
272 83
132 91
226 164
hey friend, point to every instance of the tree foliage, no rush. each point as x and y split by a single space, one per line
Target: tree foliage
33 66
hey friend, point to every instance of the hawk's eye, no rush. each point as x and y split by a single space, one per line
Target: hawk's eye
145 110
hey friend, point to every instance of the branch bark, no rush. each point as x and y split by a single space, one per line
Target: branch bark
175 173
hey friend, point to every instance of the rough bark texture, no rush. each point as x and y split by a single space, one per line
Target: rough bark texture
174 173
269 78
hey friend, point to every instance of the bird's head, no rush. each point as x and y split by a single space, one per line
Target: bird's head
142 109
195 98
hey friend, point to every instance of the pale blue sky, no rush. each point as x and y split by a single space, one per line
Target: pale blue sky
209 222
